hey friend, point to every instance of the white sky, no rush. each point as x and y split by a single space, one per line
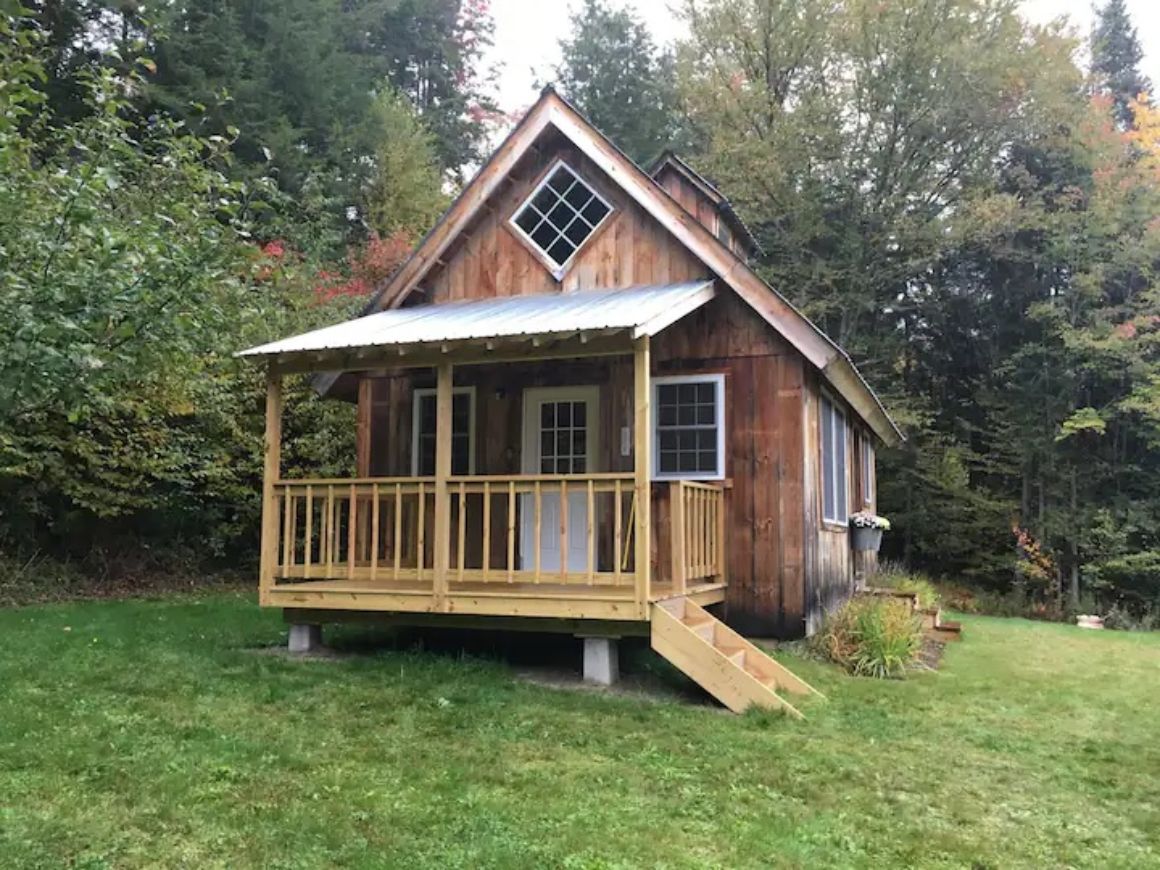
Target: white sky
527 33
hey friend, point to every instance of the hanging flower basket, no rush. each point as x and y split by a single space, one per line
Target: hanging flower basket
866 531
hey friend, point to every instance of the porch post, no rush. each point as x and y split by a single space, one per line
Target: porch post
642 468
271 471
442 556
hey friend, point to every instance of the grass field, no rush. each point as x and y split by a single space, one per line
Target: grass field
140 734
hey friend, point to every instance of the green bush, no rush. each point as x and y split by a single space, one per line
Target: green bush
871 637
895 577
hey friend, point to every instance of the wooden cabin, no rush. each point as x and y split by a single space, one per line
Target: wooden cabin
579 409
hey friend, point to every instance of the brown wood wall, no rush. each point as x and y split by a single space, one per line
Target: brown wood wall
700 206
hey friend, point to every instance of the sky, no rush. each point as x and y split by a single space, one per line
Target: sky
527 33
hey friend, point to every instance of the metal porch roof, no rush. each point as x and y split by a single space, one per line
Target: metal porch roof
640 310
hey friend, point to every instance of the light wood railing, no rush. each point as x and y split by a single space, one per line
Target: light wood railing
385 523
501 529
514 529
697 538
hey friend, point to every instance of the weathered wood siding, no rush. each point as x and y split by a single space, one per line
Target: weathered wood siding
629 249
829 559
693 200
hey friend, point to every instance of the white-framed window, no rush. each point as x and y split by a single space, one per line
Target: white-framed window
559 216
835 504
867 471
689 427
462 432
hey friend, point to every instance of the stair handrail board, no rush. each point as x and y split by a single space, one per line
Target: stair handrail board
710 667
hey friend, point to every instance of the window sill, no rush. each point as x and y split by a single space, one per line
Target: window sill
832 526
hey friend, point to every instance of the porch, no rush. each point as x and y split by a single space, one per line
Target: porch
491 545
568 530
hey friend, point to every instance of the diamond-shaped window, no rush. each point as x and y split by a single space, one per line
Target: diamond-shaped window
560 215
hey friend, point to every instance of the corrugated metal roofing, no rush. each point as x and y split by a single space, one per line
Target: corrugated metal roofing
644 310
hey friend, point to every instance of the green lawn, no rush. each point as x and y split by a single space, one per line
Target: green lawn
150 733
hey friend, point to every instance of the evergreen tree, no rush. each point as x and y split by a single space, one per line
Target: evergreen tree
615 74
1116 56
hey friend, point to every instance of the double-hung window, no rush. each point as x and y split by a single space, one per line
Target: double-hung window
462 432
689 427
835 507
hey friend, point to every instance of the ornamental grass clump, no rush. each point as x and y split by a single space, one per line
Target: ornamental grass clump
872 637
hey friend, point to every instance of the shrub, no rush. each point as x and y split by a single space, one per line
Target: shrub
894 577
871 637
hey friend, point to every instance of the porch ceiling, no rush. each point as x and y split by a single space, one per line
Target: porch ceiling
486 323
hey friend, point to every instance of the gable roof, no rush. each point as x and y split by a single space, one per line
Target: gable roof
671 160
553 110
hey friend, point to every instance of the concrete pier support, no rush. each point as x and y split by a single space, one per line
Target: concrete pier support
601 660
305 638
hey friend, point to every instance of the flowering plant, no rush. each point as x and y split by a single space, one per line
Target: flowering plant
867 520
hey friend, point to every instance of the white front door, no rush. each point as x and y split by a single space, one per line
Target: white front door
559 438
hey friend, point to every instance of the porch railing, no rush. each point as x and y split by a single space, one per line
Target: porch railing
697 538
572 531
538 529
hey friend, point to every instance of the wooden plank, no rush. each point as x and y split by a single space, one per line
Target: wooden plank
308 553
563 526
375 523
328 526
421 545
287 529
677 537
537 516
591 532
397 543
617 530
486 530
271 472
642 469
351 527
461 544
511 532
442 554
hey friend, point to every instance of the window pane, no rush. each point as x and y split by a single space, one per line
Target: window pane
561 251
544 200
564 414
544 235
547 415
561 180
528 220
827 460
595 211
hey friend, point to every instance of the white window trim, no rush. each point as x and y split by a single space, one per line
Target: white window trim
867 471
418 395
558 272
834 521
719 380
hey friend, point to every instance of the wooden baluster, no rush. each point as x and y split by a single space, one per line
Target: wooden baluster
591 532
308 555
376 519
617 530
563 531
351 533
422 529
330 534
536 533
397 544
511 532
678 532
486 531
722 550
462 531
287 531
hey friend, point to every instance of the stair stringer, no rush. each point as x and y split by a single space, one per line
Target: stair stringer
709 666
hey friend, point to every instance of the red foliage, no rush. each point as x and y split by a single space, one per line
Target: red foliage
367 267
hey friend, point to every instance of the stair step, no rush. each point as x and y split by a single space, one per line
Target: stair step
703 627
737 656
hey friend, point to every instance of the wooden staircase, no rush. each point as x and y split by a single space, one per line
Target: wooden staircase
721 661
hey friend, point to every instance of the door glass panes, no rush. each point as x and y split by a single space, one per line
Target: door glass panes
563 437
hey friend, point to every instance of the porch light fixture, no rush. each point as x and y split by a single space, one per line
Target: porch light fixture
559 216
